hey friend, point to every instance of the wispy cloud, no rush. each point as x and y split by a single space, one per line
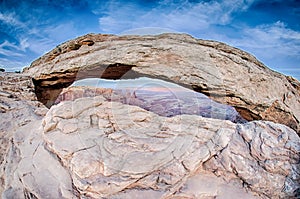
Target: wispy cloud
181 16
9 49
30 37
270 34
276 45
11 64
270 41
11 19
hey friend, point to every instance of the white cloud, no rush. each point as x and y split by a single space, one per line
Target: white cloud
22 47
12 65
10 49
110 24
270 40
24 44
51 36
270 33
60 32
276 45
28 34
11 19
16 24
41 45
182 16
147 31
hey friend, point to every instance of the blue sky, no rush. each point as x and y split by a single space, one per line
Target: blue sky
270 30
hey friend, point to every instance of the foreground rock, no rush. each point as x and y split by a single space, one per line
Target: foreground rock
224 73
93 148
18 106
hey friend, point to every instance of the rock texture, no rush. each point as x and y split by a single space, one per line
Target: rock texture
18 106
87 149
224 73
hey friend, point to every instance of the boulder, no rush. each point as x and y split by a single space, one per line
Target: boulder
95 148
226 74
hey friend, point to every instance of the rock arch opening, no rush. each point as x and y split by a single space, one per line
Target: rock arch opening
49 87
154 95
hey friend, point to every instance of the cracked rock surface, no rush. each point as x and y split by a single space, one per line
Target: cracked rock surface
94 148
18 106
226 74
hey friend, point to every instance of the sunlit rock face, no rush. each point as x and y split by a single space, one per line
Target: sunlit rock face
161 97
18 106
226 74
94 148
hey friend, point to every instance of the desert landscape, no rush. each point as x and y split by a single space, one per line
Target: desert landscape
156 116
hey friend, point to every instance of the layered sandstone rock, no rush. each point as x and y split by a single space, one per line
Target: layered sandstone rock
94 148
224 73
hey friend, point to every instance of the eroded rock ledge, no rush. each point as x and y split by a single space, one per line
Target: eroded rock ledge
93 148
226 74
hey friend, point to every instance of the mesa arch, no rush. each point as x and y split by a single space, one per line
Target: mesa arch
226 74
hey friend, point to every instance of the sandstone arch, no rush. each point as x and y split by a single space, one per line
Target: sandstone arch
224 73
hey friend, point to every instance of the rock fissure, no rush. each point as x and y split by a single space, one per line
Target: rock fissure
29 195
54 155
